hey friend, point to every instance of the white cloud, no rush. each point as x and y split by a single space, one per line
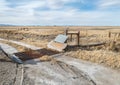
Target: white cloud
3 5
54 4
57 14
32 5
107 4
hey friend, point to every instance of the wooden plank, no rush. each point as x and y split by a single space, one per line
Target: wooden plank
57 46
72 32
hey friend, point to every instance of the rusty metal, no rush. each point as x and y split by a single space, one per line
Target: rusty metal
32 54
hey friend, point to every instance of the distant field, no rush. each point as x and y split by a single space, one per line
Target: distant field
61 27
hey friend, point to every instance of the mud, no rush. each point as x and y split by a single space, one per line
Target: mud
32 54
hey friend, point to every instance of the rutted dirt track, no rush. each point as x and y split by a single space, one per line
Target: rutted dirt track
55 73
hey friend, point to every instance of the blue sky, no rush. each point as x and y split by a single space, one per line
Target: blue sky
60 12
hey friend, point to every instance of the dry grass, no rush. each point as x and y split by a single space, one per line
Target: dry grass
107 58
39 36
45 58
42 31
37 43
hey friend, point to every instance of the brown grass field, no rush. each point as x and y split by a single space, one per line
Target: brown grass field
107 54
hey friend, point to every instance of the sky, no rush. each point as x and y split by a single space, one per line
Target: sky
60 12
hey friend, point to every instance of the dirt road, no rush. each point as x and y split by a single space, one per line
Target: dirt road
55 73
42 73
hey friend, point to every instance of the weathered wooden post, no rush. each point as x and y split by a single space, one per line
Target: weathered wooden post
109 34
78 38
71 33
66 31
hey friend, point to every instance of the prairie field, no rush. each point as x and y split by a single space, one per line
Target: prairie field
107 53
